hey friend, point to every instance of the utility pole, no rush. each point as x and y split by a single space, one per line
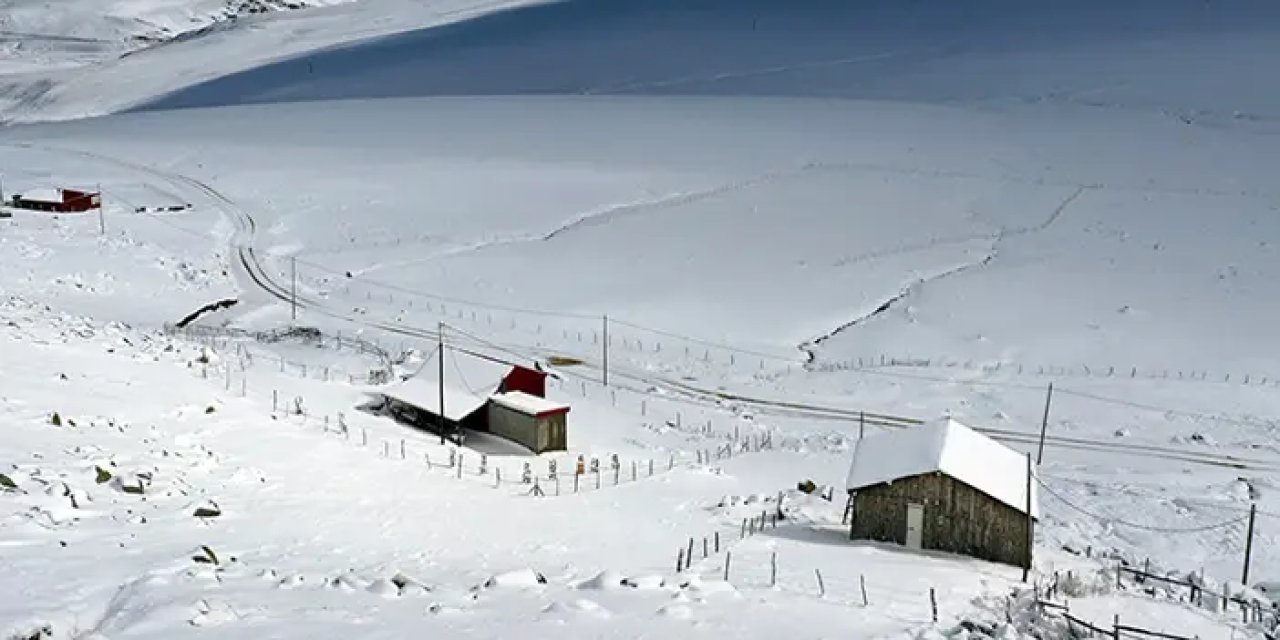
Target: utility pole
102 220
440 357
1030 532
605 342
1044 424
1248 544
293 291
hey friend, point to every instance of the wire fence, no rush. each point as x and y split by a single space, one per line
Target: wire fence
883 362
554 474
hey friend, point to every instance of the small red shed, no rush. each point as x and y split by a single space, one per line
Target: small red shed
58 200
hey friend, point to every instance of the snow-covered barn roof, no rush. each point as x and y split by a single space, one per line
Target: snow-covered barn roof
529 404
425 394
43 194
468 383
947 447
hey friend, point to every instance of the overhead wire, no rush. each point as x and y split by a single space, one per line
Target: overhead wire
1134 525
1170 410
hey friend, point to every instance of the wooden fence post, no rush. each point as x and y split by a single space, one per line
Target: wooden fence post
862 583
933 603
727 556
822 588
773 569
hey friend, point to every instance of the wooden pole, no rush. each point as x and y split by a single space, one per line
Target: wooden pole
862 584
1030 531
293 288
1248 545
605 349
773 569
102 218
727 556
440 357
933 603
1044 424
822 588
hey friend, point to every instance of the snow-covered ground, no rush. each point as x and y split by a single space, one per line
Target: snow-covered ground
787 214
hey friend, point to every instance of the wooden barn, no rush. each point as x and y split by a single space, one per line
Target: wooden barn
945 487
481 394
57 200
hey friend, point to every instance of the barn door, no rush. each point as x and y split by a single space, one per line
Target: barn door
915 526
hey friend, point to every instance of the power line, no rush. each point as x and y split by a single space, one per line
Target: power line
443 298
1134 525
701 341
1149 407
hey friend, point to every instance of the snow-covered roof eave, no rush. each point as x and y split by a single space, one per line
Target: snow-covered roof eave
946 447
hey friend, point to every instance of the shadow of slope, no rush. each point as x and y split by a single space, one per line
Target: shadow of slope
814 48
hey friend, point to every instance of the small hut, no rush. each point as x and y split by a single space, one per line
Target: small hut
946 487
537 423
480 394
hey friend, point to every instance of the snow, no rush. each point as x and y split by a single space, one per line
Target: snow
425 394
948 447
792 215
469 381
530 404
43 194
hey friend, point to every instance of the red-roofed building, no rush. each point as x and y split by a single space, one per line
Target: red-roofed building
57 200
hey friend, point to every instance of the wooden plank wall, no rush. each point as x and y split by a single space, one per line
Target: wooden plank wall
957 518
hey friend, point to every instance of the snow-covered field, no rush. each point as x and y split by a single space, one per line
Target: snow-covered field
787 214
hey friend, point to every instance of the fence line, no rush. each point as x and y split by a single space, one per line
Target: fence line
585 474
884 361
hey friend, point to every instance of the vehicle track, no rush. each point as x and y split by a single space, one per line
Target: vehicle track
260 278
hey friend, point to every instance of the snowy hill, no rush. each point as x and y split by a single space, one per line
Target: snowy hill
790 220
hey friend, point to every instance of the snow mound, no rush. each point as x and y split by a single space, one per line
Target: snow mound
699 589
649 582
579 606
677 611
212 613
604 580
343 583
384 588
520 578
